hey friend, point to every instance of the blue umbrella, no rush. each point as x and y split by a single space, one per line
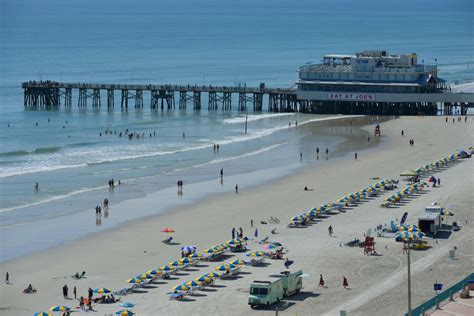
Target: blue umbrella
127 304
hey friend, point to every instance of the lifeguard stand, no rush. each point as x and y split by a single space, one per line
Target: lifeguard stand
369 246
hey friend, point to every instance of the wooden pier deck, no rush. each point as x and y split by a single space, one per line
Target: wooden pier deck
48 94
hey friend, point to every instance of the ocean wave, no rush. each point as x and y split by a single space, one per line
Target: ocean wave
253 117
36 151
254 134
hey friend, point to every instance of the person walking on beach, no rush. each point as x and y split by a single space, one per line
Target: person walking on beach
439 181
65 290
222 173
327 151
241 232
81 303
355 156
317 151
321 281
236 189
7 278
330 230
90 293
74 291
345 283
251 223
36 186
106 204
233 232
301 156
403 133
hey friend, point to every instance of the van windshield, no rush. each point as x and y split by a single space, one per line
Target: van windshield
259 291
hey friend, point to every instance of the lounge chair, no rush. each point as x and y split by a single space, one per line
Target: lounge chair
78 276
168 240
176 295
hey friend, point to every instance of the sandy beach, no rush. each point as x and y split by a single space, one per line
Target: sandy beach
377 283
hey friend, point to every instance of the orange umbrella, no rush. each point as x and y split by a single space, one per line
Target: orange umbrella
167 230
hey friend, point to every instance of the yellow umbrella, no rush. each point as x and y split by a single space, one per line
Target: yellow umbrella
181 287
167 268
222 267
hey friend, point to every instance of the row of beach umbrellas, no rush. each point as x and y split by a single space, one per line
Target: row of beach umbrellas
343 201
405 192
436 165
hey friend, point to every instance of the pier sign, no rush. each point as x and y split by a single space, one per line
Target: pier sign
351 96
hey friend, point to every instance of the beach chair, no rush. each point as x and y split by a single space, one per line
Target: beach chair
176 295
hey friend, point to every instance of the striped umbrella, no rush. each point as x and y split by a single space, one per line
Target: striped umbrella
43 314
167 268
238 262
231 266
409 228
222 267
125 312
176 264
102 290
186 260
181 287
153 272
145 276
193 283
59 308
204 279
233 242
134 280
212 275
195 255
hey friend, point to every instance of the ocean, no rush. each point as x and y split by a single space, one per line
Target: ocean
73 153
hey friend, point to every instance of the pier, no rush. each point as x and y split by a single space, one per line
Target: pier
52 94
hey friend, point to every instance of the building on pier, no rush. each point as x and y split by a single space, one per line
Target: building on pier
376 82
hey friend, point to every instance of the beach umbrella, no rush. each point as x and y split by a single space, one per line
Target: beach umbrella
145 276
186 260
269 246
127 304
175 264
125 312
167 230
59 308
212 275
195 255
167 268
189 248
43 314
231 266
233 242
210 250
181 287
153 272
204 279
134 280
102 290
409 228
432 179
238 262
193 283
222 267
404 236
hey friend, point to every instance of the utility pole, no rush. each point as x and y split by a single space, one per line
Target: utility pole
410 313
